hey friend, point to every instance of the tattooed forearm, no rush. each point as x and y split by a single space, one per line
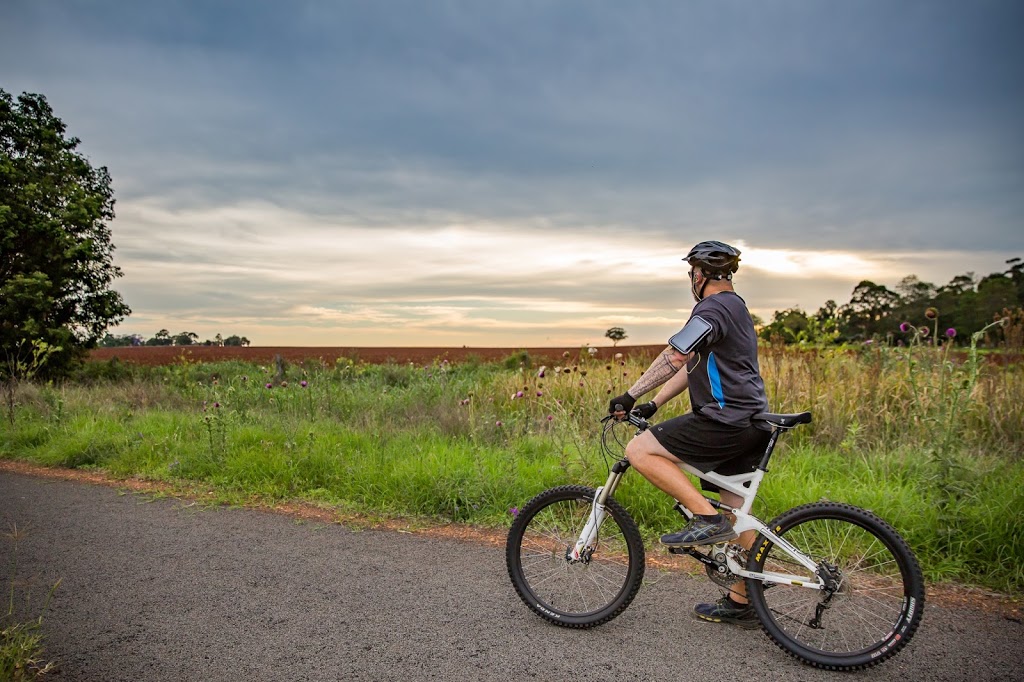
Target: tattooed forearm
660 371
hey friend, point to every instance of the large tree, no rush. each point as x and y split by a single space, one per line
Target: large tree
868 312
56 257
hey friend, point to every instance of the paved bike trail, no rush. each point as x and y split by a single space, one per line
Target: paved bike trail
168 590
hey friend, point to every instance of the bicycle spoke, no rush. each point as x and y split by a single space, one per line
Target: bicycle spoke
558 582
854 621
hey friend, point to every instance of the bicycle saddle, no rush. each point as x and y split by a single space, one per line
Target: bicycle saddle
783 421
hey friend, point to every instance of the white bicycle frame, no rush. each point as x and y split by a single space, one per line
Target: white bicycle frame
743 485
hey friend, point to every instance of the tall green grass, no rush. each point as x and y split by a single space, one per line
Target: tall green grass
469 442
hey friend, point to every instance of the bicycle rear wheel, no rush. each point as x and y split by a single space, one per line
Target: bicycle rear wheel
574 593
878 596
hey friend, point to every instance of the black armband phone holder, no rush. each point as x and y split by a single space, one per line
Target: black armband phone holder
690 337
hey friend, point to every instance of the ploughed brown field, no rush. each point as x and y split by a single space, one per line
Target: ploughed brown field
165 355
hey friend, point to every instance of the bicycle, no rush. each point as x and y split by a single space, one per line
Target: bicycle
833 585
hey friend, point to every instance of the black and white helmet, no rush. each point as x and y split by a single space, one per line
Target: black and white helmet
714 258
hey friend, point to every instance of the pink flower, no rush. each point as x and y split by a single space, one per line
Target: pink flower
270 385
950 332
905 327
303 383
497 423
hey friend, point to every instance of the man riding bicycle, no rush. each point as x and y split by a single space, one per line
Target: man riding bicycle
718 346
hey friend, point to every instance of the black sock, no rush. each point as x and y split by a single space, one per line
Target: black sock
711 518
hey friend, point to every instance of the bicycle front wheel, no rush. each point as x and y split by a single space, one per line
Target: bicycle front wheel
577 593
876 596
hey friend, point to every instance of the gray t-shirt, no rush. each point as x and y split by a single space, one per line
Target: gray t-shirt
725 380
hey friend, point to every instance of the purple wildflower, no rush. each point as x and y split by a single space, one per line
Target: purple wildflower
303 383
905 327
270 385
924 331
514 511
931 313
950 333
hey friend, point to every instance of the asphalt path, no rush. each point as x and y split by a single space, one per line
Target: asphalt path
167 589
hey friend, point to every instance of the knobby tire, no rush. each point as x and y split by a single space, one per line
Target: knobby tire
566 593
878 606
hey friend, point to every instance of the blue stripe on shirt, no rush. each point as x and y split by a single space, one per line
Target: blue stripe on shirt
716 381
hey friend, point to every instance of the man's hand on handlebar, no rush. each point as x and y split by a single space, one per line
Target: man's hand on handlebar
620 405
646 410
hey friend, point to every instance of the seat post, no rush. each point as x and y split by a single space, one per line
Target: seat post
763 466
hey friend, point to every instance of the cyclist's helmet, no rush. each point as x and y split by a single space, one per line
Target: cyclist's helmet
715 259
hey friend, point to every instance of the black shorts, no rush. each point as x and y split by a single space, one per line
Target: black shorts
712 446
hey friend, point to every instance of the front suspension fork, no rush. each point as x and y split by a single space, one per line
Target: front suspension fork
587 541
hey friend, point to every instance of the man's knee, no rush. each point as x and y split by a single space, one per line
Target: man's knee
639 452
636 452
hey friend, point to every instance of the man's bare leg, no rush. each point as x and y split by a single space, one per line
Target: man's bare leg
738 590
661 468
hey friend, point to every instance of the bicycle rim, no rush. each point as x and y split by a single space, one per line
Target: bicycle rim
880 597
560 590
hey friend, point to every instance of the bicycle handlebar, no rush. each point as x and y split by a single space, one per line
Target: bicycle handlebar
634 419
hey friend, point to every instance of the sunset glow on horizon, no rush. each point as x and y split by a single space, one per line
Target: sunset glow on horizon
516 175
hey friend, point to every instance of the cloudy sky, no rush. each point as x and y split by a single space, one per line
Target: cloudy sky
528 173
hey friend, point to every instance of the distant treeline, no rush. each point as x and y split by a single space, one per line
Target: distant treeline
165 338
915 310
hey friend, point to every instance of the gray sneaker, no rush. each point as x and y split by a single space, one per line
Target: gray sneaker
726 611
701 532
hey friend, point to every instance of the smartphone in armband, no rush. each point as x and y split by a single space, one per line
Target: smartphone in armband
687 339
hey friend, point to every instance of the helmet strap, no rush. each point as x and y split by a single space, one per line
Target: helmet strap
698 295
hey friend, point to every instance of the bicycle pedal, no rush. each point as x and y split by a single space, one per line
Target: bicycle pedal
686 551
